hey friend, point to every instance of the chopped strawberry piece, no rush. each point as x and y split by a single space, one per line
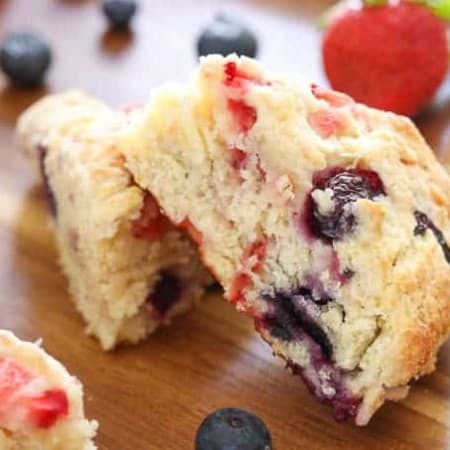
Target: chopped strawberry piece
326 123
48 407
235 78
12 377
333 98
260 324
238 158
41 410
151 224
243 114
232 72
239 285
256 251
252 260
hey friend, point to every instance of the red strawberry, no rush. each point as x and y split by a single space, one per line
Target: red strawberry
392 57
19 404
238 158
12 378
46 408
253 257
151 224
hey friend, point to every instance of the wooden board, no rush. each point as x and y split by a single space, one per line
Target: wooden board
154 395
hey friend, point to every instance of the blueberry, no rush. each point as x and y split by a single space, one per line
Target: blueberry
423 222
166 292
346 186
225 35
233 429
288 319
119 12
24 58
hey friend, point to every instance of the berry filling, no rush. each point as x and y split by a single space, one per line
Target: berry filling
151 223
50 197
345 186
165 294
21 406
424 223
292 317
335 269
325 382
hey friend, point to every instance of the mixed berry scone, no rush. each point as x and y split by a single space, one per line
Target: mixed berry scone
129 269
323 219
41 404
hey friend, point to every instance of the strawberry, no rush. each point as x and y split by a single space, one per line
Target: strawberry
151 223
392 56
252 260
20 405
12 378
46 408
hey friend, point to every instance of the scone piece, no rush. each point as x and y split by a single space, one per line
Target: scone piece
41 404
324 220
129 270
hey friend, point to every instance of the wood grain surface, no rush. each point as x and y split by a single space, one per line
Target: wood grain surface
154 395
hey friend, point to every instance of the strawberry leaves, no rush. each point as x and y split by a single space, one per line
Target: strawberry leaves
440 7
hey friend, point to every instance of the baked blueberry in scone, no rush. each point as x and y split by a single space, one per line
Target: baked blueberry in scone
41 405
324 220
129 269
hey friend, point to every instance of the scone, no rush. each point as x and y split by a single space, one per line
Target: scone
324 220
129 269
41 404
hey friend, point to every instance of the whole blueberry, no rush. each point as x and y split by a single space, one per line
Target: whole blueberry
119 12
166 292
225 35
233 429
24 58
346 186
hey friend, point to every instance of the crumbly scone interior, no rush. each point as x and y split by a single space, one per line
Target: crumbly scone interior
233 156
112 273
